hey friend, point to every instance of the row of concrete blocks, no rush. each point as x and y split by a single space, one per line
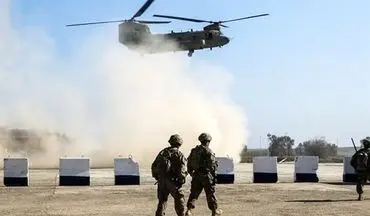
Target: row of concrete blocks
76 171
305 169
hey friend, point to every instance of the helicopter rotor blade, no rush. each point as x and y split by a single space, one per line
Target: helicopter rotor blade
248 17
181 18
215 22
94 23
143 9
153 22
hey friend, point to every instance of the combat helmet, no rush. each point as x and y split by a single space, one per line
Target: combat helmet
204 137
366 142
175 140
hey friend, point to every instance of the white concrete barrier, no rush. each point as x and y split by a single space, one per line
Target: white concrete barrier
225 170
16 172
74 171
349 173
305 169
265 169
126 171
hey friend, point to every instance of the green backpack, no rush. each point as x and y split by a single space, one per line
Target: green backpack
196 158
359 161
162 164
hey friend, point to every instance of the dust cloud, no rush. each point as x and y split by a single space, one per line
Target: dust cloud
108 100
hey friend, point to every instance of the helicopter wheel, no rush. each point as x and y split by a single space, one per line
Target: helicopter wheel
190 53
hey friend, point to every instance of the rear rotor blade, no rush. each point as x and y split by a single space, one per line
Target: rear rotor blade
93 23
153 22
143 8
181 18
249 17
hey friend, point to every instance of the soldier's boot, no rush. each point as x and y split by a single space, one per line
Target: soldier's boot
216 212
188 212
360 197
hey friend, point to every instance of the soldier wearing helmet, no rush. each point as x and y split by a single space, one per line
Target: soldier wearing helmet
169 169
202 166
205 138
360 162
366 142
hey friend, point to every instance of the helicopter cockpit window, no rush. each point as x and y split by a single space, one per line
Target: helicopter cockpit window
209 36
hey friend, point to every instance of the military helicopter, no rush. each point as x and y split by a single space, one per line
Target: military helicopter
211 36
136 34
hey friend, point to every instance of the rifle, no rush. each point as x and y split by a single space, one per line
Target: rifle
354 145
353 163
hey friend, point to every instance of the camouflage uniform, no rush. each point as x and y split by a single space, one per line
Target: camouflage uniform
363 174
171 181
202 166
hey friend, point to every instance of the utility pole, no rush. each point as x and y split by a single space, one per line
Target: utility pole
260 146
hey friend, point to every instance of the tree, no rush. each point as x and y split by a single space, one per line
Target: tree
280 146
317 147
245 149
299 150
243 152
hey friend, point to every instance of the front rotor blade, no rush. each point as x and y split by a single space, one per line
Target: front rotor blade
153 22
181 18
249 17
93 23
143 8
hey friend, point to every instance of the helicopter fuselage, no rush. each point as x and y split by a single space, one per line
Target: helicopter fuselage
134 35
196 40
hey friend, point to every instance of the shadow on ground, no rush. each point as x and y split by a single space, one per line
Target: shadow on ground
342 183
326 200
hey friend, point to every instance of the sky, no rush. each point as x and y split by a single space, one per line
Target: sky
303 71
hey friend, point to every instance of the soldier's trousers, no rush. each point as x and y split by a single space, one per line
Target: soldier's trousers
361 180
165 188
198 183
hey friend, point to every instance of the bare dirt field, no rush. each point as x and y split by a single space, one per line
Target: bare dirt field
43 197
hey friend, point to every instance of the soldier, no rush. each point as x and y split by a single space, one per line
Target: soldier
169 169
360 163
202 166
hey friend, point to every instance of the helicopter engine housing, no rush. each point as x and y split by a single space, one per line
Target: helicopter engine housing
132 34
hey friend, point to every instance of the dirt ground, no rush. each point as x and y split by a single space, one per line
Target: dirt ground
43 197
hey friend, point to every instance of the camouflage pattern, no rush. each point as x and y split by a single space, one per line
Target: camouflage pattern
362 178
204 137
362 175
175 140
366 142
171 182
165 188
203 174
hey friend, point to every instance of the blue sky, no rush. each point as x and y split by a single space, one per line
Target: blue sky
303 70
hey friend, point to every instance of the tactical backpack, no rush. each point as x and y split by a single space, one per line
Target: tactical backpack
163 166
196 158
359 161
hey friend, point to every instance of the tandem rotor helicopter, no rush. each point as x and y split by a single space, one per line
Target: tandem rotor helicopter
136 33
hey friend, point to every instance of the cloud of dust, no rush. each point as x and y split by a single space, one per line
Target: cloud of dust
111 101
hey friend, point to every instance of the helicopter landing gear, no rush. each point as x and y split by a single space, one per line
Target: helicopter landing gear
190 53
